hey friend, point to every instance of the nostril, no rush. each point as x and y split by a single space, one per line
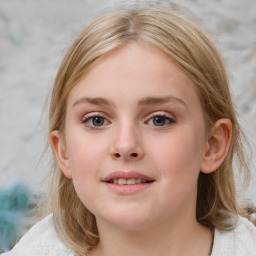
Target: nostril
132 155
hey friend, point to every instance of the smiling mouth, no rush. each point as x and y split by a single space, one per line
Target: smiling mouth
133 181
127 178
127 182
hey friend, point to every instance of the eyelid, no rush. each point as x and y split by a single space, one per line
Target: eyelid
85 118
162 114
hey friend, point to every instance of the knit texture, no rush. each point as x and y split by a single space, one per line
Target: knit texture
42 240
239 242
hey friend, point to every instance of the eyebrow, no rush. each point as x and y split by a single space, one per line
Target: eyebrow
161 100
94 101
143 101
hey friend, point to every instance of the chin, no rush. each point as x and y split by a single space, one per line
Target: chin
127 220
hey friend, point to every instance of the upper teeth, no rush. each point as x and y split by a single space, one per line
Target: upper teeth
133 181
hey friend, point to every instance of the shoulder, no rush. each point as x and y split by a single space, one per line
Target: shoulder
41 239
240 241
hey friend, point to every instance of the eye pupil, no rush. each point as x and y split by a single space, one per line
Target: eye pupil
159 120
98 121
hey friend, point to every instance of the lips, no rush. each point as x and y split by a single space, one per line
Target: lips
127 178
127 183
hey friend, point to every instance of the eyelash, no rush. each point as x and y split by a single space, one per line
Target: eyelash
164 115
85 120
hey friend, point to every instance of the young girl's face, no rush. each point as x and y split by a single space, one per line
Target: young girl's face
135 139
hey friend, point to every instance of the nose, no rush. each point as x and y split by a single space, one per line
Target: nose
127 145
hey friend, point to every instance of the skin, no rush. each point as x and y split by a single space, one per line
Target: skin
128 138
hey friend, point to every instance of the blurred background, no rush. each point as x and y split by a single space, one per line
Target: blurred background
34 35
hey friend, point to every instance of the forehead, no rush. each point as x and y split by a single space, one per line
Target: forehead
132 72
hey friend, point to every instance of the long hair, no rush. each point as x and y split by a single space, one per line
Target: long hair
195 54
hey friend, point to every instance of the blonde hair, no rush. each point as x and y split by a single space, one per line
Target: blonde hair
194 53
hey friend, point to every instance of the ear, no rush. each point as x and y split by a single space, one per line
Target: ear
59 149
217 146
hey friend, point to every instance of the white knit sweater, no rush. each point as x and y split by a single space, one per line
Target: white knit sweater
42 240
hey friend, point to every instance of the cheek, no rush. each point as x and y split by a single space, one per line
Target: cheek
178 155
177 160
85 154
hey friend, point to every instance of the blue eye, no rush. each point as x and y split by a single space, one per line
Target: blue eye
160 120
98 121
95 121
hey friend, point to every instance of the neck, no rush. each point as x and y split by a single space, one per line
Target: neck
186 237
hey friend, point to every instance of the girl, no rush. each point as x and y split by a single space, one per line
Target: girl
144 133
